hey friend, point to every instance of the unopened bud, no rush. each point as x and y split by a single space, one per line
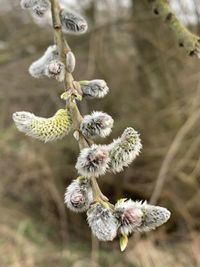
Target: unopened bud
70 61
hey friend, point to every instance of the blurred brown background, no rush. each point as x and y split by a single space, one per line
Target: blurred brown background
154 87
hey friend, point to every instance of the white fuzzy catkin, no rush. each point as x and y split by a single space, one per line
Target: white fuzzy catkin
78 195
124 150
94 88
39 7
102 222
98 124
55 69
129 214
70 61
138 216
93 161
27 3
153 217
44 129
37 68
72 23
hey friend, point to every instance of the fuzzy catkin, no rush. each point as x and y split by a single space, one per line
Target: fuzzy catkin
129 214
55 69
138 216
93 161
39 7
98 124
124 150
72 23
94 89
153 217
44 129
37 68
78 195
102 222
27 3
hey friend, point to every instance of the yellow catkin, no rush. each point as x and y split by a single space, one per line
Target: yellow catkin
44 129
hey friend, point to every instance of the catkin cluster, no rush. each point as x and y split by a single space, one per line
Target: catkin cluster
50 65
106 221
125 218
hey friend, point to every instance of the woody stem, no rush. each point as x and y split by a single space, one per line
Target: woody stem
63 49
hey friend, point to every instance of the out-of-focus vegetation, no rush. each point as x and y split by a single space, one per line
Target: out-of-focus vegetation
155 88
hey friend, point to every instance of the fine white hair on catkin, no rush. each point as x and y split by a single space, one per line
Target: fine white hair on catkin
129 214
27 3
37 68
55 69
124 150
102 222
98 124
95 88
154 216
138 216
39 7
72 23
93 161
78 195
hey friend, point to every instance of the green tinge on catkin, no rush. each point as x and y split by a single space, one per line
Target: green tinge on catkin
124 150
44 129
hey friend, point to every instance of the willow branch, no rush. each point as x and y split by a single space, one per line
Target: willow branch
185 38
69 84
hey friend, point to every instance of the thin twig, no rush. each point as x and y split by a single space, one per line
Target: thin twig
69 84
171 154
